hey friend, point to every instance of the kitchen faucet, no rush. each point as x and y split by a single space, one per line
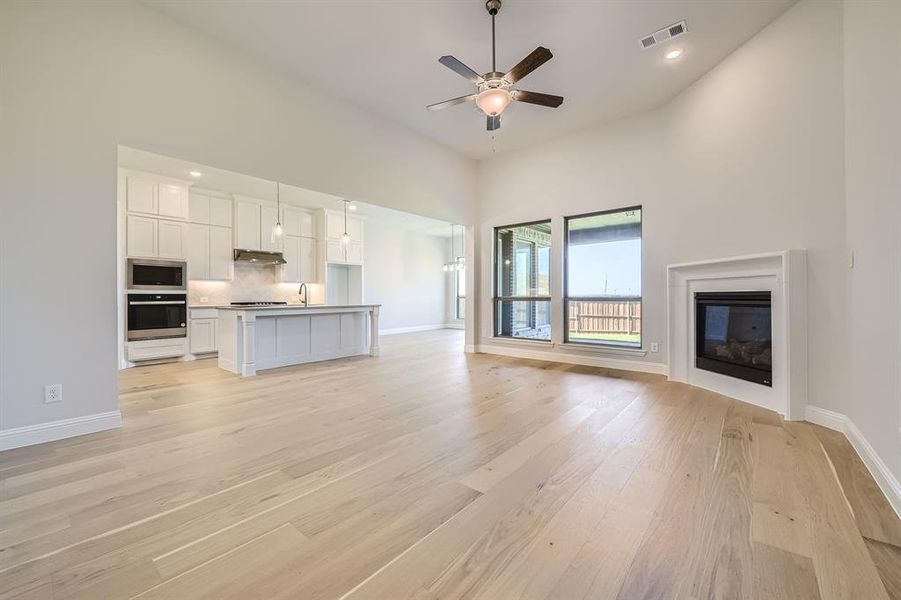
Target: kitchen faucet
303 293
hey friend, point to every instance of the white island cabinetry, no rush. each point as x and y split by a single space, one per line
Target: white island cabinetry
254 338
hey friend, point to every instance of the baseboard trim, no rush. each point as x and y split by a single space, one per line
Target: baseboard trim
885 479
396 330
57 430
588 360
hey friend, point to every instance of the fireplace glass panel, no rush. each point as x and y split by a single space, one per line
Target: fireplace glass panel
734 334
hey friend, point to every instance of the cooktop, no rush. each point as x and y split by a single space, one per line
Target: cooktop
258 303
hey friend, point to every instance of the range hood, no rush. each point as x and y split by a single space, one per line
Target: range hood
260 257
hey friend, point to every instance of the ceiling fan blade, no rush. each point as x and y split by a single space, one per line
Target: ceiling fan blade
460 69
451 102
538 57
538 98
494 123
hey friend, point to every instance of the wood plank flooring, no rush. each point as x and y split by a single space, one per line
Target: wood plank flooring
427 473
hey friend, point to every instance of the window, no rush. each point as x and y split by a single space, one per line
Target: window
602 295
460 286
522 301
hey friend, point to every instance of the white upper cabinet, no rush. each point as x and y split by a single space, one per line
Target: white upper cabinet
199 208
168 200
221 256
220 211
298 222
334 225
172 201
171 239
142 195
335 250
209 252
354 252
247 225
141 236
300 254
198 251
268 218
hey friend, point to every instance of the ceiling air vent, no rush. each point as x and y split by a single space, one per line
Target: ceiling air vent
667 33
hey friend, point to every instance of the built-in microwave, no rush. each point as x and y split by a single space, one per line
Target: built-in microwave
156 275
155 316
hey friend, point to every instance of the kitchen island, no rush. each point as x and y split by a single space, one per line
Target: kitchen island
253 338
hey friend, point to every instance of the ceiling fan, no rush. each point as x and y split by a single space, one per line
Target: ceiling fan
495 90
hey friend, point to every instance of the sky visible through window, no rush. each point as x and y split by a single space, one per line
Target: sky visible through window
605 269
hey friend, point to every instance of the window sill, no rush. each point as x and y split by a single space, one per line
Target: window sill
512 341
602 349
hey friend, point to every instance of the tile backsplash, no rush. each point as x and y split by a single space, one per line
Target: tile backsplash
250 283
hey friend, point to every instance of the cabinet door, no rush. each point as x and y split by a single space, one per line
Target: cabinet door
334 225
291 269
141 236
172 201
334 251
297 222
141 195
355 228
268 218
171 239
247 225
221 255
308 260
220 211
199 208
198 251
355 253
203 335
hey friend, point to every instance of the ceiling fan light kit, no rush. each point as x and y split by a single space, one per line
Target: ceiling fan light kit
495 89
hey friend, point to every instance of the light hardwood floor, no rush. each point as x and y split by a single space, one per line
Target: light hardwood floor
426 473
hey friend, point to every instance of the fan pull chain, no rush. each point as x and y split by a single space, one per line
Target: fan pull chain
493 142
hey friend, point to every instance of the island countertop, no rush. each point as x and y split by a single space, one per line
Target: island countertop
317 307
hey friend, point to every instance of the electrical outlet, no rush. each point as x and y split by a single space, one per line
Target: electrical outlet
655 347
53 393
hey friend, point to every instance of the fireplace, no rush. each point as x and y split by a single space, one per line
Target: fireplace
734 335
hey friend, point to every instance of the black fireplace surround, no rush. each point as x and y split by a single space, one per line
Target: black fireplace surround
734 335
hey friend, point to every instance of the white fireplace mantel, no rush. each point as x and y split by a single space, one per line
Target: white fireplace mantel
784 275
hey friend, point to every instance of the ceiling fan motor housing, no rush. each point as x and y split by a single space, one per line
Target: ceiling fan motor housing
493 6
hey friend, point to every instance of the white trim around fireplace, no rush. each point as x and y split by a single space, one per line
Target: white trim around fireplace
784 275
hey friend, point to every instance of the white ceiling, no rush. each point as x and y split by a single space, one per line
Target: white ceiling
229 182
383 55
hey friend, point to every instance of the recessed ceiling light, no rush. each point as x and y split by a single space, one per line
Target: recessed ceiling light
351 207
673 54
195 174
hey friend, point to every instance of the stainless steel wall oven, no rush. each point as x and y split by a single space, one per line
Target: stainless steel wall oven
155 316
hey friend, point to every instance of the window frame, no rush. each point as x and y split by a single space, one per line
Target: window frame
458 314
496 299
565 292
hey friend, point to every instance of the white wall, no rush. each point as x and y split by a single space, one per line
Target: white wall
403 273
748 159
873 199
77 79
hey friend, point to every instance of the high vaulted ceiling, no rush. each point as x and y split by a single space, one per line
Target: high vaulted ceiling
383 55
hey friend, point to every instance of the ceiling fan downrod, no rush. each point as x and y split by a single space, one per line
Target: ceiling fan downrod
493 6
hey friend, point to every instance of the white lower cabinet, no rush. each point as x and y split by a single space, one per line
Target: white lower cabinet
203 336
154 349
202 331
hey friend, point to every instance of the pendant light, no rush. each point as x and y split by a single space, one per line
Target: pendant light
277 230
449 264
345 237
456 263
460 261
